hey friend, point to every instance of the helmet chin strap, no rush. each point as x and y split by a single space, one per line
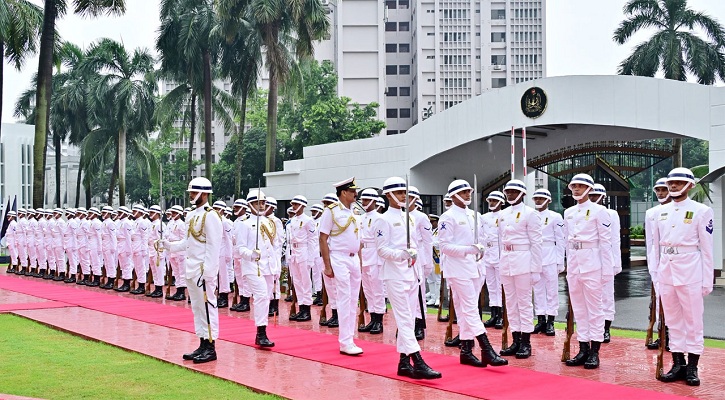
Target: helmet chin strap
198 195
296 209
516 200
684 188
581 196
664 199
370 207
540 206
465 202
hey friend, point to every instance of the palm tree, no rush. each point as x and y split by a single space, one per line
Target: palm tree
52 10
675 48
287 30
121 97
20 23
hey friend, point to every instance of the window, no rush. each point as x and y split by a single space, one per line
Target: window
498 82
392 91
498 60
391 48
455 37
498 37
391 113
404 69
431 33
391 70
390 4
498 14
404 26
403 3
392 132
431 57
405 91
403 48
390 26
405 113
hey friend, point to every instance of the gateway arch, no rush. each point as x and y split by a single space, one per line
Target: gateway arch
474 136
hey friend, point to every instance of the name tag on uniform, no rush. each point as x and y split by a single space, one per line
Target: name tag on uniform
398 224
461 222
663 216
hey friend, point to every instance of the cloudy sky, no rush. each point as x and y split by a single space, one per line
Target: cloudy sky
578 43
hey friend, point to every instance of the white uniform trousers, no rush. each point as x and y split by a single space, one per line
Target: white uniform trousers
51 259
13 250
59 255
546 291
140 265
72 255
585 292
608 299
684 308
519 307
157 270
331 291
23 254
110 262
260 291
242 283
96 261
347 283
42 255
33 254
301 278
401 295
373 288
317 267
125 260
434 285
466 292
493 283
196 294
84 254
177 269
272 281
224 281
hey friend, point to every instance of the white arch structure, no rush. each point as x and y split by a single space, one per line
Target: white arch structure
473 137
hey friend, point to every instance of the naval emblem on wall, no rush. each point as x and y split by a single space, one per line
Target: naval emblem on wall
533 102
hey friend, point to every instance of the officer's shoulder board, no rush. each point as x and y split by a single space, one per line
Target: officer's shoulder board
207 208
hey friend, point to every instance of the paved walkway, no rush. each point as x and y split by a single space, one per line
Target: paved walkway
624 361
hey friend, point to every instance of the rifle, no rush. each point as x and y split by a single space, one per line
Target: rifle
443 297
363 306
652 314
293 306
661 332
421 304
451 317
565 354
236 290
505 333
325 300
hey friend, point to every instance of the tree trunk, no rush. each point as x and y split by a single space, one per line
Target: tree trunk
190 158
2 76
56 143
271 122
42 101
78 185
240 147
208 138
677 158
122 167
114 175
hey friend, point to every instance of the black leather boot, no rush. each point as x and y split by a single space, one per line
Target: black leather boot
318 299
655 345
488 355
550 326
304 314
678 372
275 305
492 320
366 328
125 287
84 281
10 269
525 346
46 274
333 322
95 281
581 357
262 340
511 350
593 359
223 300
692 378
59 276
208 353
466 357
377 325
190 356
158 292
271 311
244 304
404 367
499 319
288 298
540 326
180 294
421 370
419 330
110 282
71 278
141 289
607 336
454 342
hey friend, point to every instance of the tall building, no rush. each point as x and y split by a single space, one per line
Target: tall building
16 164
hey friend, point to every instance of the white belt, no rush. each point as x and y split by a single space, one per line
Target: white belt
491 244
368 245
548 244
299 245
516 247
345 253
583 245
679 249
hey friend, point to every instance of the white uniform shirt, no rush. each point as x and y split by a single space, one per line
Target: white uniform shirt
301 237
390 240
69 239
108 236
30 233
94 232
11 235
79 236
684 232
278 242
424 231
519 226
588 227
367 239
616 241
245 241
653 248
175 230
488 232
56 233
553 238
124 234
456 238
202 253
334 219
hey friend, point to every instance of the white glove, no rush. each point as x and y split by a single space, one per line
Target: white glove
559 268
412 255
617 269
706 291
256 254
163 244
479 251
535 277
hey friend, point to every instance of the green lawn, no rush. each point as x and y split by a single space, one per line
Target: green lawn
38 361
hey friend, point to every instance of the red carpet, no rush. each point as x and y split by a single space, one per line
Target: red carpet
33 306
380 359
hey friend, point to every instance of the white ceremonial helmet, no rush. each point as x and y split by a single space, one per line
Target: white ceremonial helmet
583 179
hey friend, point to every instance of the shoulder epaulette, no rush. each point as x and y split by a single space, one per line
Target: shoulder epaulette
207 208
331 206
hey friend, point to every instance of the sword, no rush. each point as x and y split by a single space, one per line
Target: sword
407 239
475 214
256 244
